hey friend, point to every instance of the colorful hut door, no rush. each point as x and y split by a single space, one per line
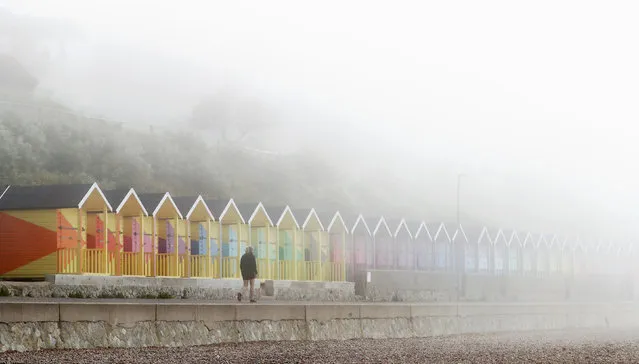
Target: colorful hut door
262 244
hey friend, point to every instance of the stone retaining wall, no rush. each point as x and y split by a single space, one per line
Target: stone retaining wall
32 326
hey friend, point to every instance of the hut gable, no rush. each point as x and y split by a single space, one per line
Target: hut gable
423 231
381 224
414 226
154 202
306 216
361 220
398 225
249 212
278 213
225 210
188 206
337 219
119 198
52 197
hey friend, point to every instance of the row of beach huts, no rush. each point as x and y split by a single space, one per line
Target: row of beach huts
82 229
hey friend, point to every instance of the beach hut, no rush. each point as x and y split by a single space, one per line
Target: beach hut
402 244
129 217
314 245
337 236
362 249
261 237
500 253
471 249
568 246
423 241
485 245
542 255
201 231
515 249
529 257
459 242
579 256
168 240
442 243
288 243
554 251
233 236
44 230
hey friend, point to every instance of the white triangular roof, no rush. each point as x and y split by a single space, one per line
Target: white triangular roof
359 219
230 204
167 196
126 198
380 222
336 216
399 227
259 207
308 218
287 209
93 187
440 230
422 226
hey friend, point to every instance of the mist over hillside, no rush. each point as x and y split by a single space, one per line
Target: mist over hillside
124 112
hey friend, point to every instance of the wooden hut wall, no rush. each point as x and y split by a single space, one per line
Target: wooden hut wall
405 249
28 242
423 252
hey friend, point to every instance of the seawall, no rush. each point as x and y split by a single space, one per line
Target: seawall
33 326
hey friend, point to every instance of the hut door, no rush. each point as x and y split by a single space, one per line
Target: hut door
99 233
132 242
170 237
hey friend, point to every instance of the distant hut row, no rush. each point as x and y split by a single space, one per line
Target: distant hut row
81 229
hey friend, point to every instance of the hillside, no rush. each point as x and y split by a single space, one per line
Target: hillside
41 142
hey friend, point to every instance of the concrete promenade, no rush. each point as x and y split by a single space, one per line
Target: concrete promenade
31 324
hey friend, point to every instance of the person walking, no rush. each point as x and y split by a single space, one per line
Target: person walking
248 268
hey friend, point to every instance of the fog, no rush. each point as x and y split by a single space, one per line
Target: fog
532 103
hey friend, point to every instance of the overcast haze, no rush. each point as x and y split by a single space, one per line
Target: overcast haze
542 95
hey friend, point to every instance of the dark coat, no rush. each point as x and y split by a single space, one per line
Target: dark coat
248 266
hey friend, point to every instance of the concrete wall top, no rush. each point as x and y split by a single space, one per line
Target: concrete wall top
127 314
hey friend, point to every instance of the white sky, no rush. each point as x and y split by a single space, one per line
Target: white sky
545 87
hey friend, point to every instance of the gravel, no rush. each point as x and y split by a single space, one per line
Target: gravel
546 347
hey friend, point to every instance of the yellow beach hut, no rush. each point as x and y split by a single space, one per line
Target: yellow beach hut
128 217
201 237
167 236
385 251
232 234
337 236
44 230
314 245
288 243
261 237
403 242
